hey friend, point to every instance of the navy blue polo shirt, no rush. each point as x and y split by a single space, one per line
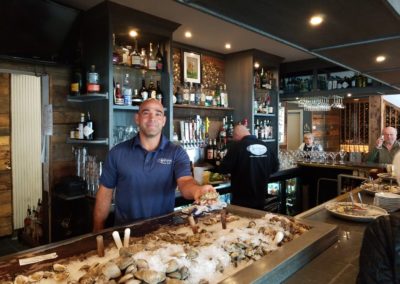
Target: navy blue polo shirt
144 181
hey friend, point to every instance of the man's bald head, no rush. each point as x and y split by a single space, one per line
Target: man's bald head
153 102
239 132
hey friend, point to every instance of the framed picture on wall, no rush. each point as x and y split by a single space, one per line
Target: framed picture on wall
191 67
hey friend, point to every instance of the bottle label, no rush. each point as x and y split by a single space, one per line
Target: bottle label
93 77
153 94
136 60
145 95
92 88
87 131
152 64
127 100
210 154
74 87
159 66
119 101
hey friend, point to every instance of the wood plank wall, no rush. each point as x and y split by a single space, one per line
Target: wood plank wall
65 116
5 157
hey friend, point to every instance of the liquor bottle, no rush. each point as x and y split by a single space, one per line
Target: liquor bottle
257 80
152 90
92 80
152 58
210 151
144 93
118 97
160 59
215 150
229 132
222 132
179 96
136 99
159 93
263 79
76 82
127 91
186 94
202 96
270 108
88 128
27 221
81 125
218 95
135 56
144 60
224 97
192 94
117 53
256 126
197 94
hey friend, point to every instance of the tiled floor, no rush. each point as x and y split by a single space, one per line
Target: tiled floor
10 245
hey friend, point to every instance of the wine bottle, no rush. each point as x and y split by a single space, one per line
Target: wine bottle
152 58
88 128
92 80
135 56
136 99
81 125
159 93
118 98
159 58
152 90
143 91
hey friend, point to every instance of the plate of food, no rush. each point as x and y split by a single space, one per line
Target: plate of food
355 211
387 176
372 188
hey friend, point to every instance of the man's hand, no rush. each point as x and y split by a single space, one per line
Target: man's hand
201 190
379 142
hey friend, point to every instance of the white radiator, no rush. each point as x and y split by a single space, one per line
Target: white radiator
25 145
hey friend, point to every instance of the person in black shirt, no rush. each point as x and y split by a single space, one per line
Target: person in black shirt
250 162
308 144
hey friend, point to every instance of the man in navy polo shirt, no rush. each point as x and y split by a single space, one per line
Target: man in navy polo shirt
144 172
250 162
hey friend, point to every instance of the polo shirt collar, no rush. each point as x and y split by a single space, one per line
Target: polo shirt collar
161 146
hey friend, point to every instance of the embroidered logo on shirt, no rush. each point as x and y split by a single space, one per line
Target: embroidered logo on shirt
257 149
164 161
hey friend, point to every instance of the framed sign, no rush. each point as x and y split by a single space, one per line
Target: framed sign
191 67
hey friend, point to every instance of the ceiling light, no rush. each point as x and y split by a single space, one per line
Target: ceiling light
188 34
227 45
133 33
256 65
380 58
316 20
356 100
349 95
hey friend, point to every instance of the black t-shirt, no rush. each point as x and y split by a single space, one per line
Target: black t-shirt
250 163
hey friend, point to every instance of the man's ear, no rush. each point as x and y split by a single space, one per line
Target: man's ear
136 119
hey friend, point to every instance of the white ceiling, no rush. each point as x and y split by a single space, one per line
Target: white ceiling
208 32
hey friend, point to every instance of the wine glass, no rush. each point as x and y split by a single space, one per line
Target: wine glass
342 154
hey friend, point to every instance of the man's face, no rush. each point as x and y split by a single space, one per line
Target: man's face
308 140
389 136
150 118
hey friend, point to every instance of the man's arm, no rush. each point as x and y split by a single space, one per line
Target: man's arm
191 190
102 207
373 155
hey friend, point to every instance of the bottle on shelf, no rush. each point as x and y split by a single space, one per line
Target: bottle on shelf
88 128
127 91
152 90
92 80
192 94
202 96
179 96
159 93
257 79
76 82
144 60
197 94
210 151
160 59
218 95
186 94
135 56
224 97
117 54
152 58
136 99
144 93
118 97
81 125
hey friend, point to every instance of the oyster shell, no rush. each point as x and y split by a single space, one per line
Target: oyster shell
111 270
171 266
59 267
150 276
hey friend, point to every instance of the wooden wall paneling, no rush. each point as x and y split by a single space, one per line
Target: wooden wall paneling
5 157
375 119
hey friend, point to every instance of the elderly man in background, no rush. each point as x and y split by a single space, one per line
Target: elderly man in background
308 144
386 147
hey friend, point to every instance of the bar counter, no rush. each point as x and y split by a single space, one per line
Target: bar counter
339 263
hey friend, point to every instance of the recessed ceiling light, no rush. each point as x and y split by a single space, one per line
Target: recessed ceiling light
349 95
133 33
227 45
256 65
188 34
316 20
380 58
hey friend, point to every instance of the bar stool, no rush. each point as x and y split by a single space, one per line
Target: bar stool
318 185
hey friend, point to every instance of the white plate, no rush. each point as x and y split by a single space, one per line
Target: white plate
387 176
375 188
344 210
